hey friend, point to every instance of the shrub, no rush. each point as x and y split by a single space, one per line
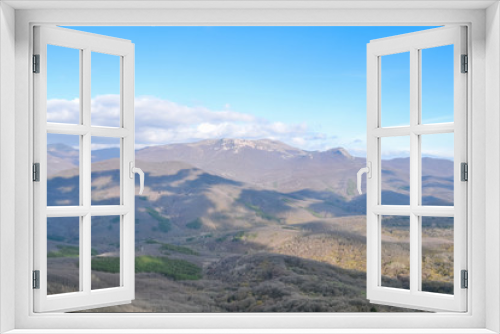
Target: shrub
65 251
178 249
164 224
106 264
195 224
172 268
260 213
238 236
222 239
55 238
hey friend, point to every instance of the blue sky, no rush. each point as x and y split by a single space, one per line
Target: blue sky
305 86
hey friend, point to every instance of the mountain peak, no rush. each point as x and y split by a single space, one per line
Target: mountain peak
340 151
236 144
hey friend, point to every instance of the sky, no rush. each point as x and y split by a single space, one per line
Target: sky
305 86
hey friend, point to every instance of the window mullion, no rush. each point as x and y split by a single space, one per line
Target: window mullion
414 170
86 168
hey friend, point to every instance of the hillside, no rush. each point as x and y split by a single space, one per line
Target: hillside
213 234
261 282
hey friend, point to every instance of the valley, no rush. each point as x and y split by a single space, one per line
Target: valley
247 226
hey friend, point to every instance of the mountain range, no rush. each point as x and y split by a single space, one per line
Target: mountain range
273 165
266 224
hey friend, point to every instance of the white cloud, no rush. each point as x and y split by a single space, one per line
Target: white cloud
162 122
105 110
63 111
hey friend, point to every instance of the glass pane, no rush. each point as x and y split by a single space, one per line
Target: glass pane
105 252
437 169
437 254
105 107
437 84
63 171
395 89
63 253
105 171
63 85
395 166
395 251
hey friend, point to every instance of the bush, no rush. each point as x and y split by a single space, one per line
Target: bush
176 269
55 238
106 264
178 249
65 251
238 236
260 213
164 224
195 224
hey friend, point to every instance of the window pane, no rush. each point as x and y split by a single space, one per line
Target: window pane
395 89
63 171
105 107
105 252
437 254
63 85
106 171
395 251
63 253
395 166
437 84
437 169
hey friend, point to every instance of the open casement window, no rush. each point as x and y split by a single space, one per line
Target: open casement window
67 215
413 227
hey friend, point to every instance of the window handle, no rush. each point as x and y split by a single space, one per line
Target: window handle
368 171
139 171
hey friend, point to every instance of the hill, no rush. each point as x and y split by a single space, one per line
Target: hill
212 210
261 282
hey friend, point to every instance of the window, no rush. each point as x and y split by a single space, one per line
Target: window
70 208
484 236
270 224
415 218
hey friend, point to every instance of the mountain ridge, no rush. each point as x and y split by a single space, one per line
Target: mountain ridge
269 164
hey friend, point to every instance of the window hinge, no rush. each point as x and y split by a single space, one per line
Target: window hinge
465 64
36 172
36 63
36 279
464 171
465 279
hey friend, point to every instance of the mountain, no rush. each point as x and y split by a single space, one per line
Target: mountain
276 166
264 163
62 157
247 226
105 154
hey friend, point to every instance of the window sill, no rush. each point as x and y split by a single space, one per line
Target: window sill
251 331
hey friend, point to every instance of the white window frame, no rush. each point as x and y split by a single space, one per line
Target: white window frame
85 297
414 43
483 211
